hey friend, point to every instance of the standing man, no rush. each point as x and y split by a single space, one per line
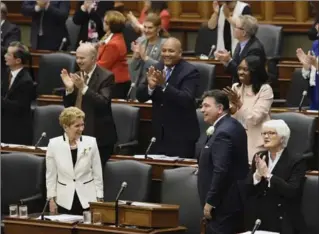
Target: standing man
9 33
90 90
16 95
245 30
171 86
48 27
223 165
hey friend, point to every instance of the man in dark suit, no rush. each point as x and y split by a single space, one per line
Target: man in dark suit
89 15
16 95
223 165
90 90
172 86
48 23
9 33
245 32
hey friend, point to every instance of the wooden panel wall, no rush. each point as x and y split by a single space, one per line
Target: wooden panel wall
294 16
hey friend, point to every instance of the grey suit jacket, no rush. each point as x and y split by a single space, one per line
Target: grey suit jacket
138 67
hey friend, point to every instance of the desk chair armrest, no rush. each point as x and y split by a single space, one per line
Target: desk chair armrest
189 53
58 91
307 155
279 103
126 148
128 144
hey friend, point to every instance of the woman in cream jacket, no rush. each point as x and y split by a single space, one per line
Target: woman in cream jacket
251 100
73 167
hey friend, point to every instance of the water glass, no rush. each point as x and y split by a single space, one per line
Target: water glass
13 210
87 217
97 219
23 211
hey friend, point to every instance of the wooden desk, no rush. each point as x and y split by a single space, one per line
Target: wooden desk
158 166
32 226
94 229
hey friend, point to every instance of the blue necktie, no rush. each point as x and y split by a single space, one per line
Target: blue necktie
168 73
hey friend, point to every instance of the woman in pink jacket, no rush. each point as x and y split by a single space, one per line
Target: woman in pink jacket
251 100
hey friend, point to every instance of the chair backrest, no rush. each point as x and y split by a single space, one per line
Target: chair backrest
50 67
73 31
46 119
129 36
137 175
310 203
297 86
302 131
179 186
127 119
207 77
22 176
271 37
203 44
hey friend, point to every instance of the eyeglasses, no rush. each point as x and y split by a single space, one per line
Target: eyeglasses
270 133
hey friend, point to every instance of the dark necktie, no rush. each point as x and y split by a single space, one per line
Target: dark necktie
9 80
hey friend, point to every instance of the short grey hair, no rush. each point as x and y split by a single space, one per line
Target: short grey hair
249 24
281 128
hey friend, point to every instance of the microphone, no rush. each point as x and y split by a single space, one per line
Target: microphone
130 91
257 224
304 94
44 208
211 51
123 186
64 40
153 140
40 139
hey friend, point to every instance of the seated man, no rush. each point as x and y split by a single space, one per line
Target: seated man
16 96
245 30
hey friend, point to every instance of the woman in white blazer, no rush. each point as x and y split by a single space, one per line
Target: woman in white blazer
73 167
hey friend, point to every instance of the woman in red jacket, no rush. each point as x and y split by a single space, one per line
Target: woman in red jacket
112 53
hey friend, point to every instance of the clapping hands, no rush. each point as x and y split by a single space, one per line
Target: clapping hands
307 60
155 77
71 80
261 166
233 97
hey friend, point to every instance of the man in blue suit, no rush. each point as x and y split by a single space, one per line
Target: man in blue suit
48 23
171 85
223 165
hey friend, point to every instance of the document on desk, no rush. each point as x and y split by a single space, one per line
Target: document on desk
63 218
145 204
261 232
158 157
22 146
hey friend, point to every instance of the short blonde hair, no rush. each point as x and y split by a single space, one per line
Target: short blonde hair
115 20
69 115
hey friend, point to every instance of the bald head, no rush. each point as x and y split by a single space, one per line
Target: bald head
4 10
86 56
171 51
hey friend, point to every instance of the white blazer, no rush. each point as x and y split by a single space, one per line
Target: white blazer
62 179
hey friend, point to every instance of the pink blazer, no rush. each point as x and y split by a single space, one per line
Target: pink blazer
254 112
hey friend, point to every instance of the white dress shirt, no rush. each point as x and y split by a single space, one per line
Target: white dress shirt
14 75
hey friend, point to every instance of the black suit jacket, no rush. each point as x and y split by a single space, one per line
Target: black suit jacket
54 28
278 207
253 47
174 110
96 104
82 18
223 167
9 33
15 109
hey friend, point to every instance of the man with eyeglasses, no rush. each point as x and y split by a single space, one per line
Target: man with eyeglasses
245 30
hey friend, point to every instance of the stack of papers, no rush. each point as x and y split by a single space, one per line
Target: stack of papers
63 218
261 232
158 157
